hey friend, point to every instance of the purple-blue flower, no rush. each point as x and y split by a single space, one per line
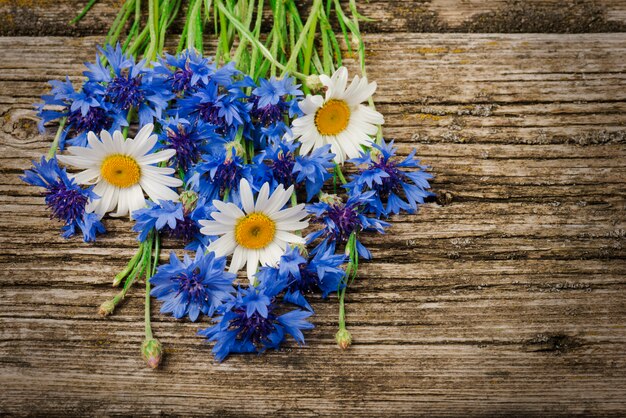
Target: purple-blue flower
218 173
321 273
184 72
175 219
129 84
396 189
65 199
340 219
156 216
189 140
85 111
251 323
190 287
313 170
224 111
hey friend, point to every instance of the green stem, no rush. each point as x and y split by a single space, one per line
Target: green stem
311 38
223 39
55 143
129 267
116 33
301 39
83 12
257 32
342 309
153 24
149 273
339 174
117 22
242 30
243 42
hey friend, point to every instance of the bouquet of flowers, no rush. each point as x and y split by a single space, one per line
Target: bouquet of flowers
264 158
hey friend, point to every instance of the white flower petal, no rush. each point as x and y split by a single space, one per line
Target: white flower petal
289 237
224 245
238 260
228 209
262 198
252 264
157 157
215 228
247 199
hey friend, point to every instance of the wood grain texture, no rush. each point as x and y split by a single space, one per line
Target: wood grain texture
506 295
51 17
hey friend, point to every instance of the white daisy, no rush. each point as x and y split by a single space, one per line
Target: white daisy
339 119
259 233
122 170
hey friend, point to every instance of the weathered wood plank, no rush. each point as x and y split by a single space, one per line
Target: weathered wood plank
505 295
50 18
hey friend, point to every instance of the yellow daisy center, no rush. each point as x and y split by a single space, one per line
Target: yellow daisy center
255 231
120 170
333 117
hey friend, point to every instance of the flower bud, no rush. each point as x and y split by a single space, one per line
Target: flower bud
189 198
302 250
107 308
313 82
344 339
331 199
152 352
375 154
233 148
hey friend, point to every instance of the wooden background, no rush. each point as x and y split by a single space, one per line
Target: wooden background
505 296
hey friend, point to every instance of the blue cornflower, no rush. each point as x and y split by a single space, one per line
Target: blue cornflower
250 323
190 287
66 199
188 229
86 110
284 167
322 273
157 216
396 189
177 220
184 72
189 140
225 112
279 156
313 169
130 85
218 173
270 99
340 219
271 102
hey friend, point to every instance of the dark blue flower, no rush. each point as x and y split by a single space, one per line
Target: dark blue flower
340 219
313 170
85 110
157 216
130 85
396 189
188 230
218 173
184 72
189 140
177 220
279 156
225 112
299 277
191 287
66 199
250 323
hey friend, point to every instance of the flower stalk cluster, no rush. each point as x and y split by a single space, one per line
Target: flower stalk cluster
231 161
